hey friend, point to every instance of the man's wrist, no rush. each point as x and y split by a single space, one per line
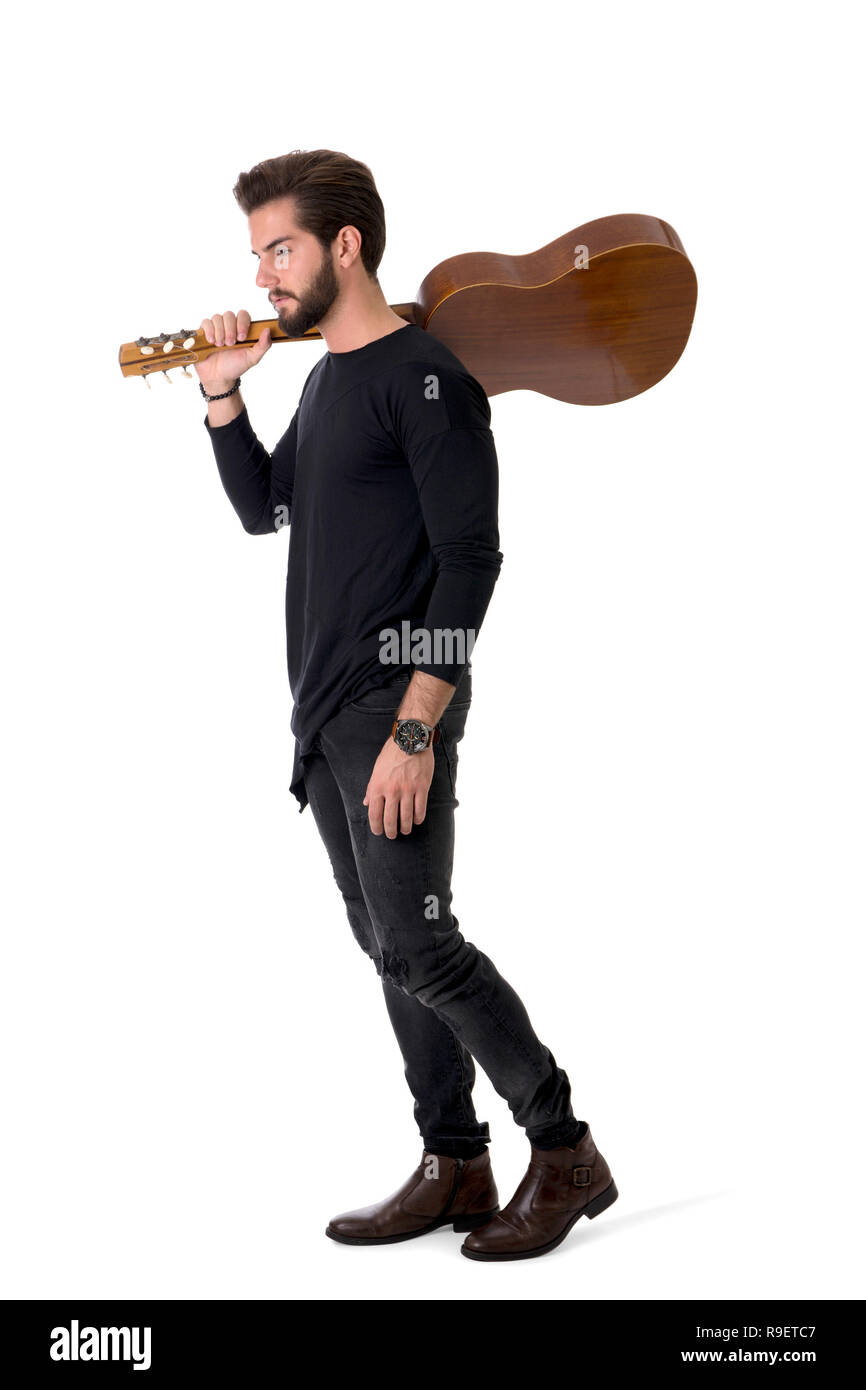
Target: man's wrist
426 699
218 388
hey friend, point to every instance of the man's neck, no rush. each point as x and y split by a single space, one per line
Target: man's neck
358 325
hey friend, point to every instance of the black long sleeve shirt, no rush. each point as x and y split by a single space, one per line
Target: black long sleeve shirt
388 479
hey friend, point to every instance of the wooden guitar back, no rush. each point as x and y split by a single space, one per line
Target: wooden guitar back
590 335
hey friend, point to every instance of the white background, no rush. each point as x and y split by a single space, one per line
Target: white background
660 833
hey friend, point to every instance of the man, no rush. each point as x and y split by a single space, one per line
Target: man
387 476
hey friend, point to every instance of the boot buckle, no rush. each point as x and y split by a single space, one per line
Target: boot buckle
581 1177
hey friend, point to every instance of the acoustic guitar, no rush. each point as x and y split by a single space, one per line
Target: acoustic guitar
596 316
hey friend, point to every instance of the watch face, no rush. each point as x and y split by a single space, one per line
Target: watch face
411 735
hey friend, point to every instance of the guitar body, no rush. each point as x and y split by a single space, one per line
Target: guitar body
594 317
588 336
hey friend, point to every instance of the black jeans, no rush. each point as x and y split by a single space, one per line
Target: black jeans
446 1000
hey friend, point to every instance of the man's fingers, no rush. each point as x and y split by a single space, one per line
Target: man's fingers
420 804
262 345
374 815
225 330
392 811
407 807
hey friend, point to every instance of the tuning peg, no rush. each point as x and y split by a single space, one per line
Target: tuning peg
186 373
146 376
165 372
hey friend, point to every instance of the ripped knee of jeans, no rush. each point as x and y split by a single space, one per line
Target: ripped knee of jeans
396 969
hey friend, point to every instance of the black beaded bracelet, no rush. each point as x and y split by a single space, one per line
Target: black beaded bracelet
224 394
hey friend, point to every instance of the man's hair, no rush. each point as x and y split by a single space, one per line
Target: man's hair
330 191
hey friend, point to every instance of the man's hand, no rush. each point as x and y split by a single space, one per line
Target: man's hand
225 330
397 790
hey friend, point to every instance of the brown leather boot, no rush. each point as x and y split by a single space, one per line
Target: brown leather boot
441 1192
559 1186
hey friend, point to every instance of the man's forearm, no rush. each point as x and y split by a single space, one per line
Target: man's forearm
426 698
224 411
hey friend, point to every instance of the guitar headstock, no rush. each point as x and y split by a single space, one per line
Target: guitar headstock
163 352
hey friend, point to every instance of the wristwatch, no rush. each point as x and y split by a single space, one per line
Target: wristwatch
413 736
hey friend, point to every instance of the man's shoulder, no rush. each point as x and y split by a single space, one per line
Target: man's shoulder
425 349
428 371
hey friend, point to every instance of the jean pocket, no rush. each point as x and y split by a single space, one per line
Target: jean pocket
383 699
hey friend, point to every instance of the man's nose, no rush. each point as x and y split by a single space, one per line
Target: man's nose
265 278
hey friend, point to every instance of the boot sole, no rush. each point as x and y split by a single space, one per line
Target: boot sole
460 1223
592 1210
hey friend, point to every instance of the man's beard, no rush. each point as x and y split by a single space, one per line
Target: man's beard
298 316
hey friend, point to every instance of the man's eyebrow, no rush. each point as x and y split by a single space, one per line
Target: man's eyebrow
271 244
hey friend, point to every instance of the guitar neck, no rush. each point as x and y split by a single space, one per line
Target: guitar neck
148 355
